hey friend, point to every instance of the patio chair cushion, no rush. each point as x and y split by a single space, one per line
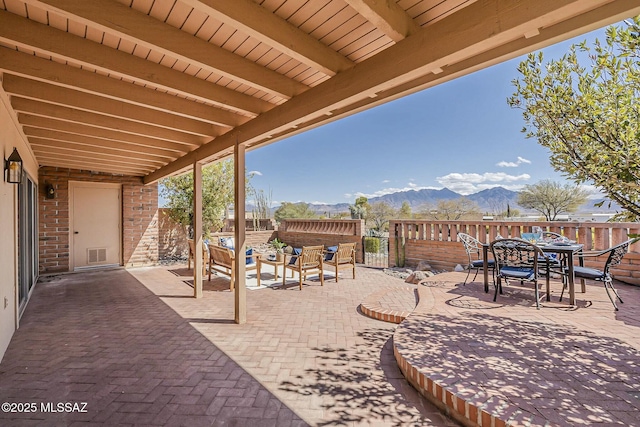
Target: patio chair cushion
588 273
521 273
331 251
294 252
227 242
553 260
479 263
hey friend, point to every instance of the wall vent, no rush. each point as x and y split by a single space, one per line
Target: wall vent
96 255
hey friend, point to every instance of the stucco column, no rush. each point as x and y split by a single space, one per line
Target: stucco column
197 230
239 225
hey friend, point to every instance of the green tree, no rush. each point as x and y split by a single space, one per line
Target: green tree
294 211
589 116
379 215
360 209
452 210
551 198
405 211
217 196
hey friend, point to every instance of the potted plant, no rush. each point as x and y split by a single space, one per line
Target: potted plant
279 246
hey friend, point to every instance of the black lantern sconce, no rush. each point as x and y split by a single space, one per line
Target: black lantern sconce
50 191
13 168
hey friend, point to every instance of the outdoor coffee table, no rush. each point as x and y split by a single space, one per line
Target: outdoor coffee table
272 262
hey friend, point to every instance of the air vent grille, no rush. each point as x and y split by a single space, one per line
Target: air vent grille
96 255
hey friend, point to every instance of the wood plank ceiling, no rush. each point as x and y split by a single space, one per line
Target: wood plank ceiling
147 87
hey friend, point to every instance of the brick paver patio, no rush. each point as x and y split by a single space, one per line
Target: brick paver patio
152 355
139 350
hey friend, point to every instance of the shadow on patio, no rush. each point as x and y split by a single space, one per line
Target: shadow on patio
104 339
561 365
139 350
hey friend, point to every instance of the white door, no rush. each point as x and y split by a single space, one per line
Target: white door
95 224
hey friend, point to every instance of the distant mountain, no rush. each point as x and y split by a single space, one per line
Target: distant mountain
491 200
495 200
416 198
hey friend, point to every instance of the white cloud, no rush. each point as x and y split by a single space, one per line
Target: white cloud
468 183
523 160
386 181
504 164
258 173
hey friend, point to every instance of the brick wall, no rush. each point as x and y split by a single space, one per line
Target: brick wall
252 238
139 218
437 241
299 232
172 237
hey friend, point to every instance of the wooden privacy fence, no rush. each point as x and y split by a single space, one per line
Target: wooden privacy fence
437 241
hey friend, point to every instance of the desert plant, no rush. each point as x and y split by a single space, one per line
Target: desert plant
371 245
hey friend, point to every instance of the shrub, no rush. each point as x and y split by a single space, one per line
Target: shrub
372 245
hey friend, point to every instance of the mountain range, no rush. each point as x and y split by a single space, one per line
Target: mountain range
491 200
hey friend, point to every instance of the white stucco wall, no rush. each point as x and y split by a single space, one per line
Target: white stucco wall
10 137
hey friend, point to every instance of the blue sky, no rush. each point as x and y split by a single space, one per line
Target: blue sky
461 135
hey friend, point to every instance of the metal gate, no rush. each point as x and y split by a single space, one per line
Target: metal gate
376 251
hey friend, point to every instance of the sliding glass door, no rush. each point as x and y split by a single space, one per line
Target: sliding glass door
27 239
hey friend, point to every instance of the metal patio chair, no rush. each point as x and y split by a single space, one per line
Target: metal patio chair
517 259
615 255
473 248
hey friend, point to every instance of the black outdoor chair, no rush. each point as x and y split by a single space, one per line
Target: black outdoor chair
517 259
473 247
616 253
556 263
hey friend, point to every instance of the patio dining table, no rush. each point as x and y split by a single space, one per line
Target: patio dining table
566 250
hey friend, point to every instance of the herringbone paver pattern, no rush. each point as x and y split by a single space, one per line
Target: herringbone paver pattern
559 365
104 339
312 348
139 350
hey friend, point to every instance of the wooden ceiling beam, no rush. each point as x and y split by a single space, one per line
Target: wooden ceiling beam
254 20
74 138
91 152
46 40
607 14
387 16
44 109
123 21
80 129
480 27
53 159
33 89
33 67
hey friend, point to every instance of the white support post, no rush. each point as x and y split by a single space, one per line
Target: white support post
197 230
239 225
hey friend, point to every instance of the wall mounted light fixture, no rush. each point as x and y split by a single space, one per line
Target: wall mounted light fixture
13 167
50 191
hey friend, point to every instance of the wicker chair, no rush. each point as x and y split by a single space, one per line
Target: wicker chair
343 258
308 261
